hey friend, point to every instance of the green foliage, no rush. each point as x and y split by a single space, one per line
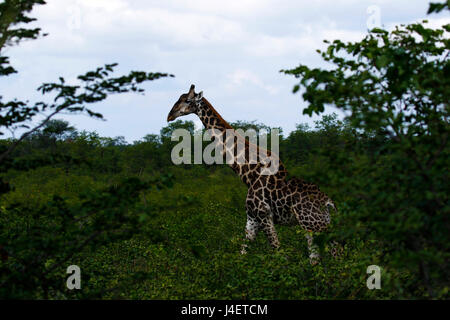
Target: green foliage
436 7
12 13
42 239
252 125
395 88
186 240
142 228
95 85
45 225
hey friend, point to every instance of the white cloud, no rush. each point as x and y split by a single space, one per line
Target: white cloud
233 8
107 5
308 38
186 29
119 19
241 78
232 50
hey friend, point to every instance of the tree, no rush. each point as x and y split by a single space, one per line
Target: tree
13 13
96 85
36 243
396 84
58 129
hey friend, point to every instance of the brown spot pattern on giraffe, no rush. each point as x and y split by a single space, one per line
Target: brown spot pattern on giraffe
271 199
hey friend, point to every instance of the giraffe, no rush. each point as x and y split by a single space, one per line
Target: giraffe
272 198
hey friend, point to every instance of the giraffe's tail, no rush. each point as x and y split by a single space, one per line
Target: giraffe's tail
329 204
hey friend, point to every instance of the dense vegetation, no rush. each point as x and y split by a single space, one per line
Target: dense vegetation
140 227
189 235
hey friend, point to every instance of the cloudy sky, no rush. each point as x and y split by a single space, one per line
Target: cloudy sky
232 50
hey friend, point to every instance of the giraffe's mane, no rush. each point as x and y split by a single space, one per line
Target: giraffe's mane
228 126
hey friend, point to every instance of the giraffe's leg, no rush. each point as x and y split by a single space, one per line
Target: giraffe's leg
251 230
313 250
271 233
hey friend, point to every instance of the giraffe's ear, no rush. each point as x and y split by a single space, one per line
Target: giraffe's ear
199 96
191 92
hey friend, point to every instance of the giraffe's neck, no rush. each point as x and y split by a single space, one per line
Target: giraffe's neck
211 119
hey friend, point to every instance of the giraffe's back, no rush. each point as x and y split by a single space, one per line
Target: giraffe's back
298 202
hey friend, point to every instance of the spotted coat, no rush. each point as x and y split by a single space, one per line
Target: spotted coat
271 199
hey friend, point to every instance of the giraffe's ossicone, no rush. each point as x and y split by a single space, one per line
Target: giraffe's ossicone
272 198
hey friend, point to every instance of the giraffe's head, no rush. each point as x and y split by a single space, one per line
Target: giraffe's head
186 104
